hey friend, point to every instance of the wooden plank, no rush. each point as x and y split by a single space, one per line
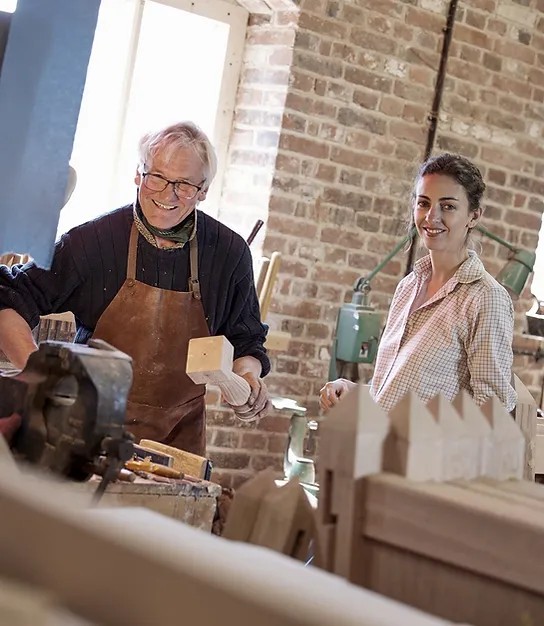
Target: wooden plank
188 502
497 489
446 523
449 592
133 566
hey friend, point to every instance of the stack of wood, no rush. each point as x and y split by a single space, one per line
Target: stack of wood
428 505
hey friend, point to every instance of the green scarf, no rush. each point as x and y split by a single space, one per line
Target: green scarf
180 233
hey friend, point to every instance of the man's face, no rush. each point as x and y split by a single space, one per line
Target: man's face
163 209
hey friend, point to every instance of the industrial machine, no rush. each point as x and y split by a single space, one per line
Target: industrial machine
72 400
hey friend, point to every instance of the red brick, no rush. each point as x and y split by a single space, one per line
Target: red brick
318 331
226 438
373 41
334 275
513 50
229 460
329 28
261 462
473 36
271 36
277 444
254 441
305 146
427 21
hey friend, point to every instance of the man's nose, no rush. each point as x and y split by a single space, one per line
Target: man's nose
171 191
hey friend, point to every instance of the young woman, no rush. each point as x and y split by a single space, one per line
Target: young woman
450 324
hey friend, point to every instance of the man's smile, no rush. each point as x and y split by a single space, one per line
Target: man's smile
164 207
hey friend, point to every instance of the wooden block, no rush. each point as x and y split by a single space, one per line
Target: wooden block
525 415
209 354
478 427
539 449
209 360
460 451
285 521
185 462
351 446
246 504
265 293
352 435
155 456
277 340
507 458
414 447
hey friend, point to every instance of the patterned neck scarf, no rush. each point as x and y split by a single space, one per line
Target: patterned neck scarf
179 234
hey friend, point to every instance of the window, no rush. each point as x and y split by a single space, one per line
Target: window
8 6
153 62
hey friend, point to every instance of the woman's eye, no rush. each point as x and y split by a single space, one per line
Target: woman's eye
448 207
421 204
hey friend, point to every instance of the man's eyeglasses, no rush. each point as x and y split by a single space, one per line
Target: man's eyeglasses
182 189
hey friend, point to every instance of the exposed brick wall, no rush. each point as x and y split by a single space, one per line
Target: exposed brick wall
349 139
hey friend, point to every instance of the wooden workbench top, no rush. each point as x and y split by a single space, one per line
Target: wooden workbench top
192 502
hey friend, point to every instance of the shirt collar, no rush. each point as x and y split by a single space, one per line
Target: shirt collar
469 271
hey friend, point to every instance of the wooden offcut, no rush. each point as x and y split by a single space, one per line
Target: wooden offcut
209 360
185 462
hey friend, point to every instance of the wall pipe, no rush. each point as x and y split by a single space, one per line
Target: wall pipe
437 100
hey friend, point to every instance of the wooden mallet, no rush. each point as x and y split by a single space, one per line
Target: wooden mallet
209 360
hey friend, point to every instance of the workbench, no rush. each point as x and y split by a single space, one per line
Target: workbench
193 503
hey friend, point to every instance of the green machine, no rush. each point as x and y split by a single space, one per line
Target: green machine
358 325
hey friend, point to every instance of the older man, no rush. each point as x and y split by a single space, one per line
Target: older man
147 278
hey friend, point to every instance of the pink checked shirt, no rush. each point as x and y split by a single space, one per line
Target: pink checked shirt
459 339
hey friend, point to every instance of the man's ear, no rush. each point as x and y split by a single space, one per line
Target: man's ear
138 178
202 195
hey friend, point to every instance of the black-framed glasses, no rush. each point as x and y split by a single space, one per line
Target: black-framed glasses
182 188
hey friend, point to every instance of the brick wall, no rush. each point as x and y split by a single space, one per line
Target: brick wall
330 128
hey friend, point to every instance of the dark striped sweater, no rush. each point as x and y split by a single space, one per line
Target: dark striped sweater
89 267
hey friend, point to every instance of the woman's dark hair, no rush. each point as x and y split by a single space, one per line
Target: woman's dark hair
461 170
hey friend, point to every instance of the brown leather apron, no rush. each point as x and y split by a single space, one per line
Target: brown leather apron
154 326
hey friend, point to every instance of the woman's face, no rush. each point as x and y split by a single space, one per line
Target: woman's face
441 213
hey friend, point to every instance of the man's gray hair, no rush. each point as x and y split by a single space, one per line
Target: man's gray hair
174 137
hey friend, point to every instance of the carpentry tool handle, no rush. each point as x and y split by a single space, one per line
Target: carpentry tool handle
236 390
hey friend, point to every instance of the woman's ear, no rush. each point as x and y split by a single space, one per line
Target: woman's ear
138 177
475 218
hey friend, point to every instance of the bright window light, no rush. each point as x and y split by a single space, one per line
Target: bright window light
8 6
168 66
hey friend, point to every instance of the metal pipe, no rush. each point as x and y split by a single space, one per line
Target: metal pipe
255 230
365 280
496 238
437 100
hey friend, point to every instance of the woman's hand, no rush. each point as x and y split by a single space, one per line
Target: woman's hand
332 392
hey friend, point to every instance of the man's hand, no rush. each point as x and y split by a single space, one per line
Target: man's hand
332 392
16 340
9 426
258 403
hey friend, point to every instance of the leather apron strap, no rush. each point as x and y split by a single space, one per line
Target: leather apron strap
154 327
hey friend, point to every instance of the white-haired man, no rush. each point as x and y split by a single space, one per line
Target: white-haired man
147 278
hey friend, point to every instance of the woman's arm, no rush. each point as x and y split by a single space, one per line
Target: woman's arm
489 348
